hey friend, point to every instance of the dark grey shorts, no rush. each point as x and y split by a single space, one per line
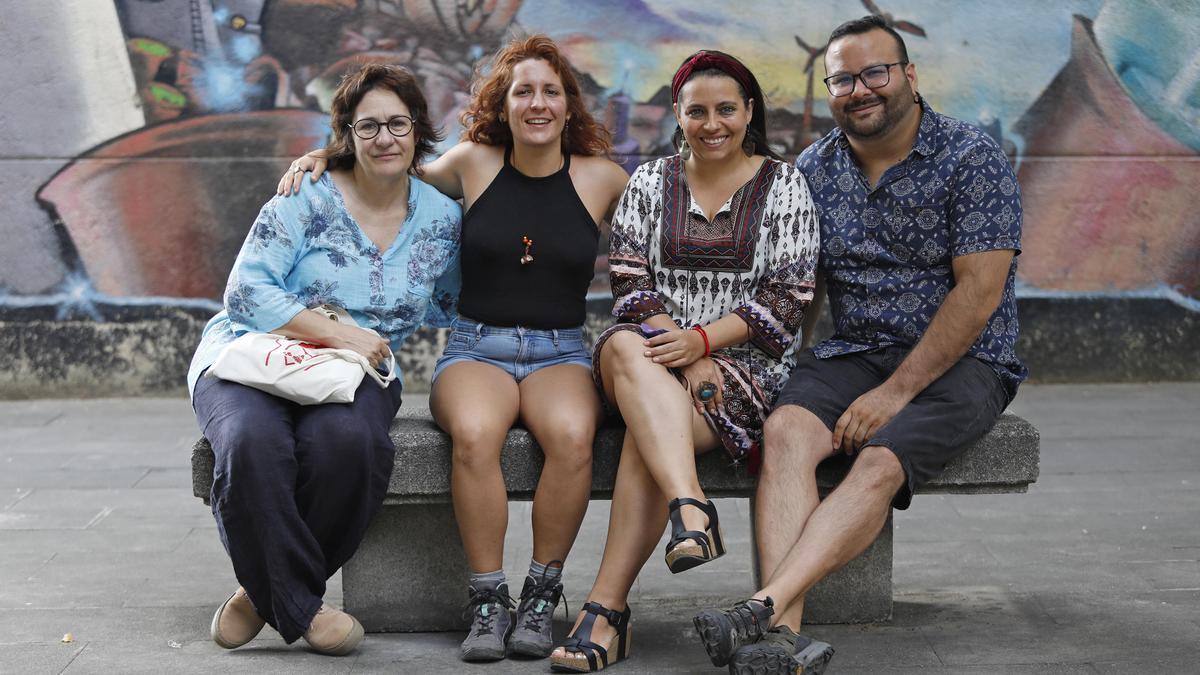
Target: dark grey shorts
953 412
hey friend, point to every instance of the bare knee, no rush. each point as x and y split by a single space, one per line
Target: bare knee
622 352
880 469
476 443
794 439
569 445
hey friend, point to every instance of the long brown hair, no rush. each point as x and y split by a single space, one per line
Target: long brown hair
350 93
481 120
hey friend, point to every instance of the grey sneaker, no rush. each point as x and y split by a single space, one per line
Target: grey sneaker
534 634
780 651
724 632
491 624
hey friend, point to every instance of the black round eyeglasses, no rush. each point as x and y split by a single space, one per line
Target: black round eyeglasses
397 125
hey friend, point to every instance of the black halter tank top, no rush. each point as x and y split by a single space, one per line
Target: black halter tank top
548 292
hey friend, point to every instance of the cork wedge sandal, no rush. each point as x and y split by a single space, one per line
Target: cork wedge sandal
581 655
689 548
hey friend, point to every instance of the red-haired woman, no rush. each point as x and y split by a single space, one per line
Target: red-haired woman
535 183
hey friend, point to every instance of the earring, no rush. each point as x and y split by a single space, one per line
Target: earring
685 150
916 97
748 146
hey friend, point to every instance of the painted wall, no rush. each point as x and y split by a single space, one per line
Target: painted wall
142 136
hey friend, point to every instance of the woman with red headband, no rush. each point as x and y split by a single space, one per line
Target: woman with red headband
712 265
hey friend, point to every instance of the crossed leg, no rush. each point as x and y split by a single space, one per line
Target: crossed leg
663 435
802 539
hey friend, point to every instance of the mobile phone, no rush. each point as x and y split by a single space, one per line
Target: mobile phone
650 331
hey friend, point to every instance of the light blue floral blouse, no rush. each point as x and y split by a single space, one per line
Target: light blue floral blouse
306 250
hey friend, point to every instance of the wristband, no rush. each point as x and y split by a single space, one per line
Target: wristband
700 330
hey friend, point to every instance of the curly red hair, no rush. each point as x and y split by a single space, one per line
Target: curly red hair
481 120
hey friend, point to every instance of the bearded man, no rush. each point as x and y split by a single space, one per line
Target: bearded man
920 227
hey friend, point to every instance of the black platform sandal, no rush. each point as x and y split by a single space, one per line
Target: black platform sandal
705 546
584 656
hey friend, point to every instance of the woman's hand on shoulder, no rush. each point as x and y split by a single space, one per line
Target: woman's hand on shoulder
444 173
459 166
289 183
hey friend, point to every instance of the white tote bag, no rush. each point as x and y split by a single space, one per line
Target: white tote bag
299 371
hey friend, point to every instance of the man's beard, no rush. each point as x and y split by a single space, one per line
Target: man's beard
877 124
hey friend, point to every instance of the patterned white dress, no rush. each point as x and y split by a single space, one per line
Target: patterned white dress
756 258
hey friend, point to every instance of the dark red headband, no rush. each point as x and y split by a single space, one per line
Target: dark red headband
704 60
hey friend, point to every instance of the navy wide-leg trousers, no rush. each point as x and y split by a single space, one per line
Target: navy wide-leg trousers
294 488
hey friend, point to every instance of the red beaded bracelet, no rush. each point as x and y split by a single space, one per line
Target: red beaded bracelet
700 330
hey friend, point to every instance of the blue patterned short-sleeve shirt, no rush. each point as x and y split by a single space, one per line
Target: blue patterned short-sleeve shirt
886 252
306 250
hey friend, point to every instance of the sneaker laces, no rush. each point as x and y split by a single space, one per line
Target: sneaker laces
782 635
477 608
547 592
747 625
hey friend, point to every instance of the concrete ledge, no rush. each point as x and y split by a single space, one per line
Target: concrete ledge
1005 460
392 584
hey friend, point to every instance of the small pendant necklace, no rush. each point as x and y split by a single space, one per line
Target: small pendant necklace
527 258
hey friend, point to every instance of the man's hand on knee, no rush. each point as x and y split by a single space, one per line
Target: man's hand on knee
867 415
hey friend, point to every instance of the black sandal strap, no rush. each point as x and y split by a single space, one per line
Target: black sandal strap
589 649
584 644
615 619
700 538
708 508
687 501
680 535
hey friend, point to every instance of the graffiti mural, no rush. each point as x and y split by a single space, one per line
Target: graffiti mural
1097 103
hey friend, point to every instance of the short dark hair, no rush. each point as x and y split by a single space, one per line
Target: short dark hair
350 93
867 24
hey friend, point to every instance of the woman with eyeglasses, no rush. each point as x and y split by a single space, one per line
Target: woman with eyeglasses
712 266
294 486
535 184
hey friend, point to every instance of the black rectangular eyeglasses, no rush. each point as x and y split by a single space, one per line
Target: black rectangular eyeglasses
873 77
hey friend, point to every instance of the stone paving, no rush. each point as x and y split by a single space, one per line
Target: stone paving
1095 570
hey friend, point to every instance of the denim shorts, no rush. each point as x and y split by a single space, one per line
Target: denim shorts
516 350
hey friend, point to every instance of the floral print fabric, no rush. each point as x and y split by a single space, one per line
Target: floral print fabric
756 258
306 250
886 252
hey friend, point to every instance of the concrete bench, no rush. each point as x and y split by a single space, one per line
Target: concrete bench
408 574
